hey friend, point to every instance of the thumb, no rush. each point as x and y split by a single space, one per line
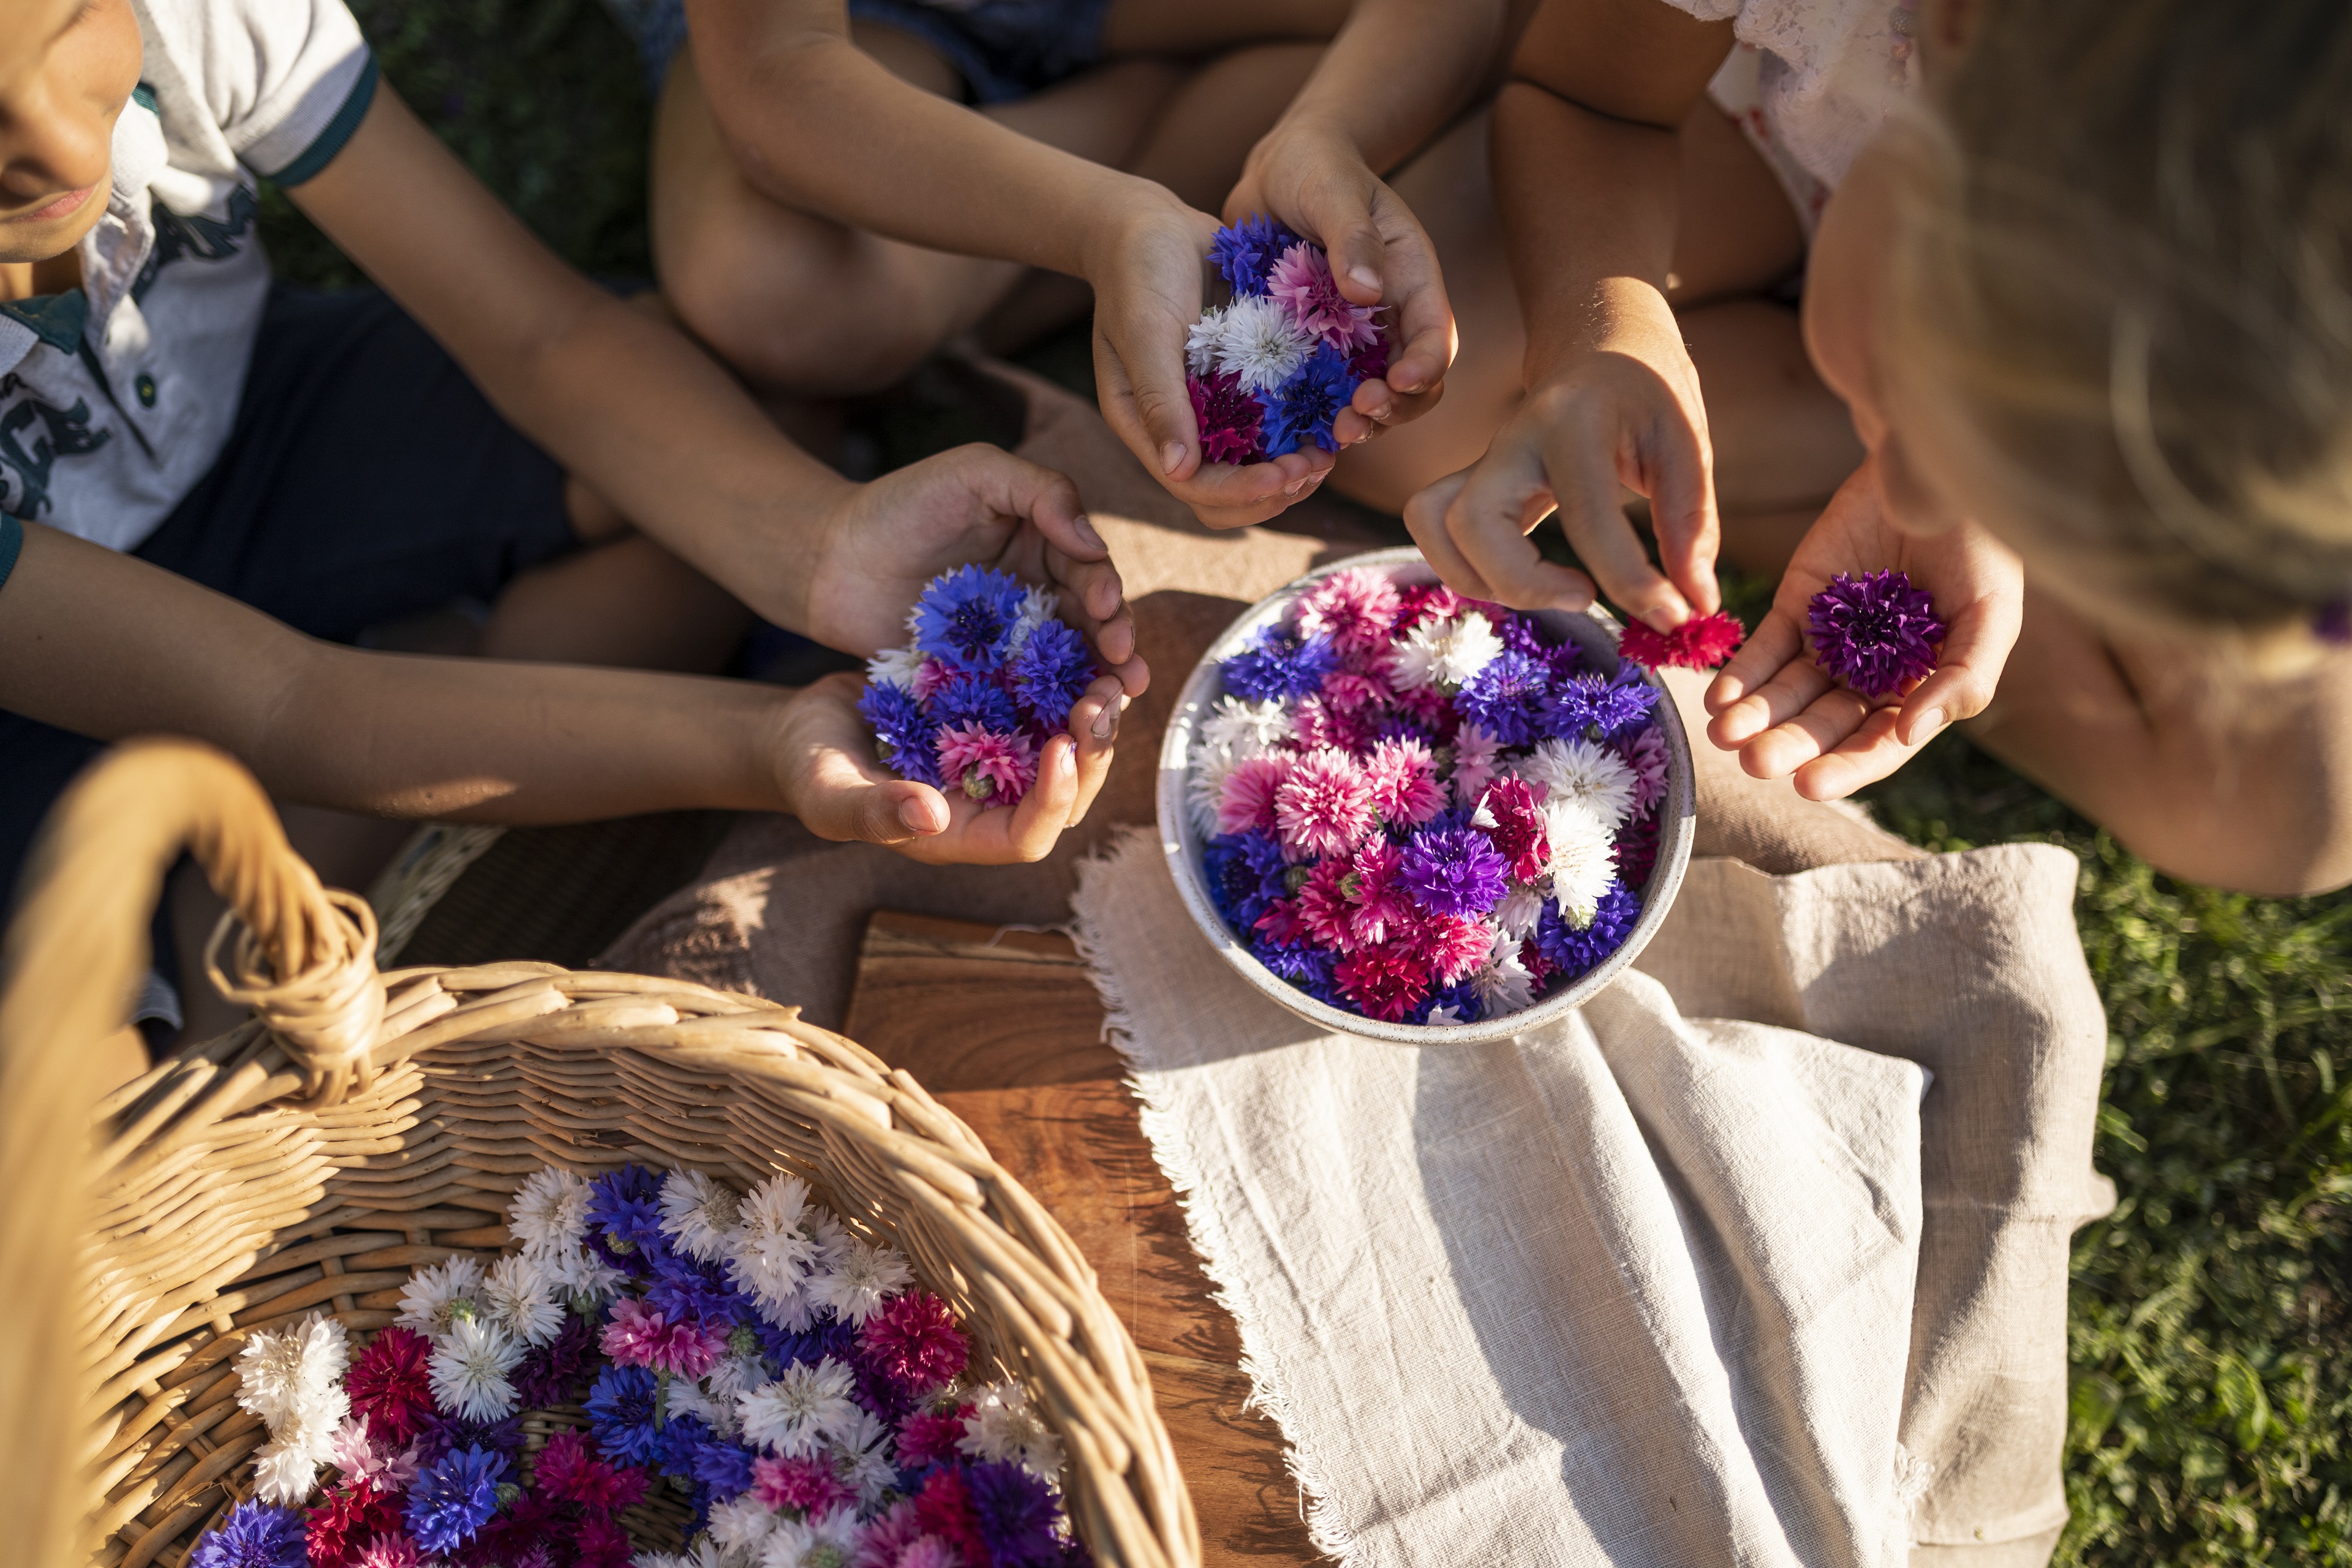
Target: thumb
894 813
1357 252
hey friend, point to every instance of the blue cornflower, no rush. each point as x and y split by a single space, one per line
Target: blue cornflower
1506 698
1050 673
1451 869
723 1467
1308 968
1245 874
254 1536
902 732
681 1439
1277 663
438 1434
1524 634
830 1337
1467 1009
682 1288
625 1217
1597 710
966 617
621 1413
1578 952
1015 1513
1301 409
454 1499
1247 252
975 699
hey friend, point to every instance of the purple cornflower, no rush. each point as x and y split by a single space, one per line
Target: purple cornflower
254 1536
966 618
625 1217
1245 874
621 1413
1247 252
1578 952
974 700
1600 708
829 1337
1506 698
551 1374
1050 673
1875 632
454 1499
1300 410
1015 1513
441 1435
902 732
2332 623
1449 870
1276 664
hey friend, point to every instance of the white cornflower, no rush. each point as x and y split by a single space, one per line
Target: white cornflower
1260 344
284 1467
1002 1426
687 1397
827 1541
1204 340
1038 606
519 1297
740 1525
1583 859
1502 983
436 1296
1445 654
1206 785
863 1279
696 1213
469 1370
732 1374
1250 729
704 1553
1516 915
550 1212
1573 768
769 1254
861 1452
894 666
293 1376
800 1410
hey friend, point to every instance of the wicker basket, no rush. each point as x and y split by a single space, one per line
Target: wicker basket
362 1124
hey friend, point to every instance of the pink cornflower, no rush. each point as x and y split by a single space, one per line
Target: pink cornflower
1284 923
991 767
888 1537
1518 830
1351 691
1474 752
1419 607
639 1336
570 1469
930 676
928 1439
1405 787
1325 806
1228 414
1385 982
1450 946
1646 755
808 1484
1427 707
393 1549
1357 609
1302 283
1538 967
1318 722
1246 799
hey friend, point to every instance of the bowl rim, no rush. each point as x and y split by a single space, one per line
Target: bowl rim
1182 844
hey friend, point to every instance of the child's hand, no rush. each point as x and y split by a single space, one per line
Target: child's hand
1625 414
1774 705
1313 178
1146 274
831 780
883 542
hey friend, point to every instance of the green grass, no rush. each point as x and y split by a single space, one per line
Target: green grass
2212 1315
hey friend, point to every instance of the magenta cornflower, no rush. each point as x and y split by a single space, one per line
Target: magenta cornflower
1700 643
925 1438
1386 982
1357 609
1325 806
808 1484
640 1336
1229 416
994 768
913 1343
1302 283
1518 831
1875 633
1450 945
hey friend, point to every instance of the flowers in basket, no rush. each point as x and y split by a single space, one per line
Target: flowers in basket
1269 371
989 675
733 1377
1424 809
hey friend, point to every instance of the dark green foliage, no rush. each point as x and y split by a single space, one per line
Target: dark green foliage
2213 1382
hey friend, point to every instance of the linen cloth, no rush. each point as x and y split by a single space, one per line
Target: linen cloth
1967 965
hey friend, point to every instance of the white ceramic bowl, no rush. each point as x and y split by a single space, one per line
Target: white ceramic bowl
1596 634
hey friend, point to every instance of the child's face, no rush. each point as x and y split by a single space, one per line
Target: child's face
67 68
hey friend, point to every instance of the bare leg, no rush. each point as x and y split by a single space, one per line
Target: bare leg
2207 770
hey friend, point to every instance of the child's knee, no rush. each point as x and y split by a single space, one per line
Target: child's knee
819 327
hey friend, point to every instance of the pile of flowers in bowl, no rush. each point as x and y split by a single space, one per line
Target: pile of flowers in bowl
1423 810
989 676
733 1375
1270 369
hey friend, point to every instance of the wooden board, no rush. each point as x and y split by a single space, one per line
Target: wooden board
1004 1029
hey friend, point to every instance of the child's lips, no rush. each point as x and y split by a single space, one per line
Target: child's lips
63 207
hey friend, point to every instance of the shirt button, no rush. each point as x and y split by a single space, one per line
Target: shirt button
145 387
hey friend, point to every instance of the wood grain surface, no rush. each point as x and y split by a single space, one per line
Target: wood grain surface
1005 1027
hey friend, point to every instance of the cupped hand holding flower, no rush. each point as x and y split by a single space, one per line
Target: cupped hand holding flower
1777 707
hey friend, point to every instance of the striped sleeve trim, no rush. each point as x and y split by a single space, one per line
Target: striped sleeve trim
328 143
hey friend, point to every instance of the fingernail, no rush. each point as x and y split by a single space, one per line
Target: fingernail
911 813
1106 725
1171 456
1385 411
1929 722
1294 486
1365 276
1085 528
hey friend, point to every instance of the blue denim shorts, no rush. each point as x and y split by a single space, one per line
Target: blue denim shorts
1003 49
